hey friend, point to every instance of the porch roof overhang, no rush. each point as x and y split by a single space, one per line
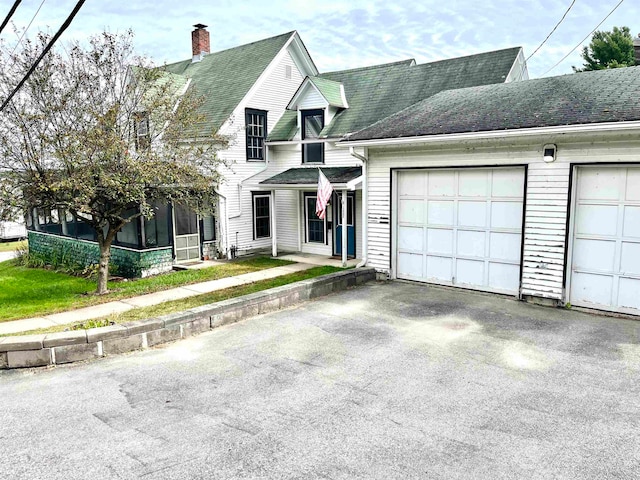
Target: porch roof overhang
306 178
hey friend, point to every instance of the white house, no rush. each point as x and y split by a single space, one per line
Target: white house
531 189
328 108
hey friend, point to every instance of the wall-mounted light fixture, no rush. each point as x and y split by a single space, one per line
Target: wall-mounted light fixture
549 153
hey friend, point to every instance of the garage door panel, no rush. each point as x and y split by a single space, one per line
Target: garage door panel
588 288
505 246
630 259
594 255
503 276
471 243
458 242
441 183
411 238
631 225
439 268
440 241
597 220
469 272
411 211
629 293
633 185
473 183
410 264
506 215
472 214
606 239
507 183
412 183
600 184
440 212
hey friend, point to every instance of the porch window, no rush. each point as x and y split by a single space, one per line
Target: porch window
157 229
208 228
261 215
312 125
256 127
315 225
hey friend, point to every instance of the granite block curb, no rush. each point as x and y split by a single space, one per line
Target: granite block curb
23 351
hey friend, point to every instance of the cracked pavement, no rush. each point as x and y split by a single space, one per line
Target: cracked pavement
388 380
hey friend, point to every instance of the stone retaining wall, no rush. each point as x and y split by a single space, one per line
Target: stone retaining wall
78 345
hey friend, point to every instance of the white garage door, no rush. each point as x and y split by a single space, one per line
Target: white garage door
605 266
461 227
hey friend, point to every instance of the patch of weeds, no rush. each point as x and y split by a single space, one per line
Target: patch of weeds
101 322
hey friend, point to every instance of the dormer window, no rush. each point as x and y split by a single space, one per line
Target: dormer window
141 130
312 125
256 127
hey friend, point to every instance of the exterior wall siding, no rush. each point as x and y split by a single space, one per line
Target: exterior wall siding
53 249
547 198
273 95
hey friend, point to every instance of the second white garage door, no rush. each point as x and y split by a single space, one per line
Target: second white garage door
461 227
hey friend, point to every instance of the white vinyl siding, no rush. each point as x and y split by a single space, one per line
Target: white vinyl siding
460 227
605 253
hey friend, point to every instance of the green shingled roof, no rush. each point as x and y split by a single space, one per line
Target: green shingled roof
225 77
330 90
600 96
309 176
374 93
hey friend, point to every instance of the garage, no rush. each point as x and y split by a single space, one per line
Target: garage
460 227
605 249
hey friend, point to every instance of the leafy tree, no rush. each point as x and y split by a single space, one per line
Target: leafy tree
608 50
97 130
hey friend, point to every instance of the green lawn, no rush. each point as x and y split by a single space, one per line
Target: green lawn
28 292
11 246
191 302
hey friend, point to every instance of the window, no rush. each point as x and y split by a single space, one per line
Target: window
208 228
157 228
312 125
141 130
350 209
261 215
315 225
256 125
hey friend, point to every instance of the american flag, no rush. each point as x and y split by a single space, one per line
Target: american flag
324 194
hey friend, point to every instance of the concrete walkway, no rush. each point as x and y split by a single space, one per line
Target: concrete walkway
119 306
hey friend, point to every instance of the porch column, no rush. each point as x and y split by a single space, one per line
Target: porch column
344 228
274 233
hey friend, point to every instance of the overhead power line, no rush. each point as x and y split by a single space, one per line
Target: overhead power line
581 41
25 30
53 40
551 33
9 15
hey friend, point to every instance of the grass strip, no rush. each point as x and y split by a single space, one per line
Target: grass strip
197 301
30 292
12 246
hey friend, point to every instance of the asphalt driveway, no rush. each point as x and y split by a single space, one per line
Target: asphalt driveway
385 381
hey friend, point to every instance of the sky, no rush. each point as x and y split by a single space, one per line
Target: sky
341 34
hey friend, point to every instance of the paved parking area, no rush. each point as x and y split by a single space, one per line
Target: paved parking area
384 381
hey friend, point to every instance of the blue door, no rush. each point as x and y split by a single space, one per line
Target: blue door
351 228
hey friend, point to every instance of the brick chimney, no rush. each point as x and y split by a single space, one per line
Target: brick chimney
636 48
199 42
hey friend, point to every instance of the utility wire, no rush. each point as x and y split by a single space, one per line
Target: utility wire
25 30
551 33
53 40
581 41
8 17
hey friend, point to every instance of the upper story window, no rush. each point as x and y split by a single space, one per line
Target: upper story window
312 125
256 126
141 130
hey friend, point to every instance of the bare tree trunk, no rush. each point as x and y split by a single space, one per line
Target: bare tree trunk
103 270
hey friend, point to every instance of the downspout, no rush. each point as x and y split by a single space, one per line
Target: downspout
365 210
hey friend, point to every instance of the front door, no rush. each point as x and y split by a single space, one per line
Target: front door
187 235
351 228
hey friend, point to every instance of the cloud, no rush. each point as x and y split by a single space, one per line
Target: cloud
344 34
